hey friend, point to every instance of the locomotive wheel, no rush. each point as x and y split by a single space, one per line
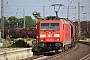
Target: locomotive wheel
73 44
66 47
69 46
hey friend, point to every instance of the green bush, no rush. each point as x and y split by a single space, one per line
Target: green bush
20 44
82 37
8 38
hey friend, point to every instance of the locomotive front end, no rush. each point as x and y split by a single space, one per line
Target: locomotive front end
49 35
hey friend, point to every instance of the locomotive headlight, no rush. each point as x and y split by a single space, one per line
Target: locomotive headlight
42 35
58 39
41 40
56 35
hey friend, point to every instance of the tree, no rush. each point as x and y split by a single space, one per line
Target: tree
30 22
12 21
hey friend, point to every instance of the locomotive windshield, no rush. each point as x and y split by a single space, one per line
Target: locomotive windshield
49 26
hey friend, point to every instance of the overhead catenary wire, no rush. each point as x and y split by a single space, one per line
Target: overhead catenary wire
13 8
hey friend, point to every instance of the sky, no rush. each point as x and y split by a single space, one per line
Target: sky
15 8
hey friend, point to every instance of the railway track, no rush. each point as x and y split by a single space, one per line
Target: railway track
80 52
82 49
87 57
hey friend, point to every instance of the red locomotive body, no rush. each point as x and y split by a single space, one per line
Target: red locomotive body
54 35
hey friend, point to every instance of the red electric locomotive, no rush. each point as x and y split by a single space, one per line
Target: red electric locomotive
55 35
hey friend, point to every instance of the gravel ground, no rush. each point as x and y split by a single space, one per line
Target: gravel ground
80 51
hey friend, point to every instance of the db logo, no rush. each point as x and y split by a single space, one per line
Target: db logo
50 35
